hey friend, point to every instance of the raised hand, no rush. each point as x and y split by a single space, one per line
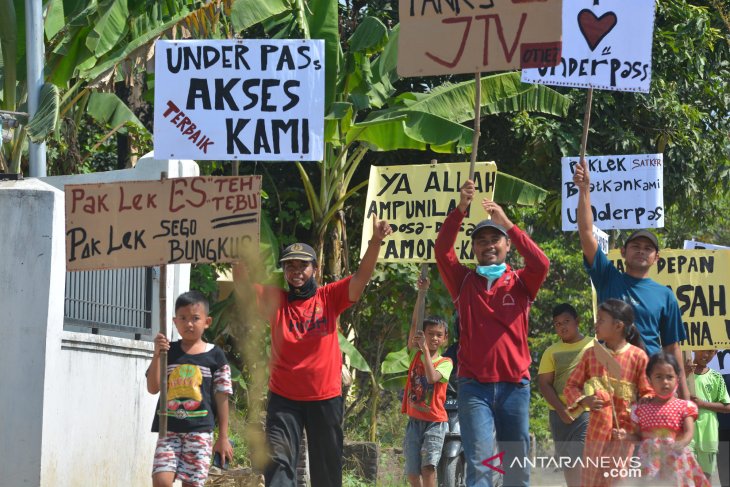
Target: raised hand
381 229
496 213
581 176
466 194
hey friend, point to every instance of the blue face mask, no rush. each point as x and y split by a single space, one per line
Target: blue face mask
491 272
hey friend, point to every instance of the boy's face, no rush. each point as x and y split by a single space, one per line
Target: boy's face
703 357
191 321
566 327
298 272
435 336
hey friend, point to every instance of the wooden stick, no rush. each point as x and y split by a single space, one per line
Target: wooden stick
163 353
586 123
477 122
421 301
691 387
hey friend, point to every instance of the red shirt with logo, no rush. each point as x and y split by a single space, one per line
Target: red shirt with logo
422 400
306 362
493 320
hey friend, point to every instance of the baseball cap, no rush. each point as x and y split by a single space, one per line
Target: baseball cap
488 224
646 234
298 251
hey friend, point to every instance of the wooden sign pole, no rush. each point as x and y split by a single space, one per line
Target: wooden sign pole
163 353
586 124
477 123
421 300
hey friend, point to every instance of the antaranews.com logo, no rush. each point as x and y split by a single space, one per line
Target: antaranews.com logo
545 470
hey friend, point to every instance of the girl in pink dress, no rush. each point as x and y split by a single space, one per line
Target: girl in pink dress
665 425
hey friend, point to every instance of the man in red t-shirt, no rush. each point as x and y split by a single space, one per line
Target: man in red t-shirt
493 302
305 381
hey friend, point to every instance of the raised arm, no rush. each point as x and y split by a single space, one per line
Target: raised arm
451 271
423 283
364 272
588 242
536 262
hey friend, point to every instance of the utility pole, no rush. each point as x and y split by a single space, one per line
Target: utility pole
35 54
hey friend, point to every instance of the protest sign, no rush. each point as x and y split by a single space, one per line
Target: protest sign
171 221
699 280
602 239
606 45
626 191
445 37
415 200
692 244
260 100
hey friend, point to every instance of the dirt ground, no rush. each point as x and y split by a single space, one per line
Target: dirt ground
234 477
390 473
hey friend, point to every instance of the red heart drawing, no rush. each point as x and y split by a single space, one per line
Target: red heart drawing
593 28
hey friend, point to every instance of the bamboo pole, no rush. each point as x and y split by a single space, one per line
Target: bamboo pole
586 124
163 353
421 300
477 122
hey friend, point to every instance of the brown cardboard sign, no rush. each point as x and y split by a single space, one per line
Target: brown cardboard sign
449 37
170 221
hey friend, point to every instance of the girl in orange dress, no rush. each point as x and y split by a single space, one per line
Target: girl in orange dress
609 398
665 425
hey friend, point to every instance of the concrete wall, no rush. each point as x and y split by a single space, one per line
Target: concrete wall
31 270
76 411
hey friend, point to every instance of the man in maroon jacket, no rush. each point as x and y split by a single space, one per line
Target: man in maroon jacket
493 302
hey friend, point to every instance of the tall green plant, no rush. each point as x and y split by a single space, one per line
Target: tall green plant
90 45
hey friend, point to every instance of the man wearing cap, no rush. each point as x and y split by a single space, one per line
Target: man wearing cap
657 315
493 303
305 380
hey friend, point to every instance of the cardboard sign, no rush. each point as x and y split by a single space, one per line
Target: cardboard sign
448 37
415 200
699 280
692 244
626 191
606 359
260 100
172 221
606 45
602 239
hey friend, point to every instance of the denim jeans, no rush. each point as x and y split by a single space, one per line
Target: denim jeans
486 408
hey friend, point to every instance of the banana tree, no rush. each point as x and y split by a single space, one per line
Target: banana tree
90 45
364 111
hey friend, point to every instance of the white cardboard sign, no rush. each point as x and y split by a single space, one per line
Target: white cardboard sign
606 45
260 100
693 244
626 191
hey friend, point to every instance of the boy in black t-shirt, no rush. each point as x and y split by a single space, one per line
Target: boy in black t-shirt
198 385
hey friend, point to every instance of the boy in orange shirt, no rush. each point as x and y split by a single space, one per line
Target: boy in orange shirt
425 394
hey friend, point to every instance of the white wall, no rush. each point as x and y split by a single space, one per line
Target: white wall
76 411
32 265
